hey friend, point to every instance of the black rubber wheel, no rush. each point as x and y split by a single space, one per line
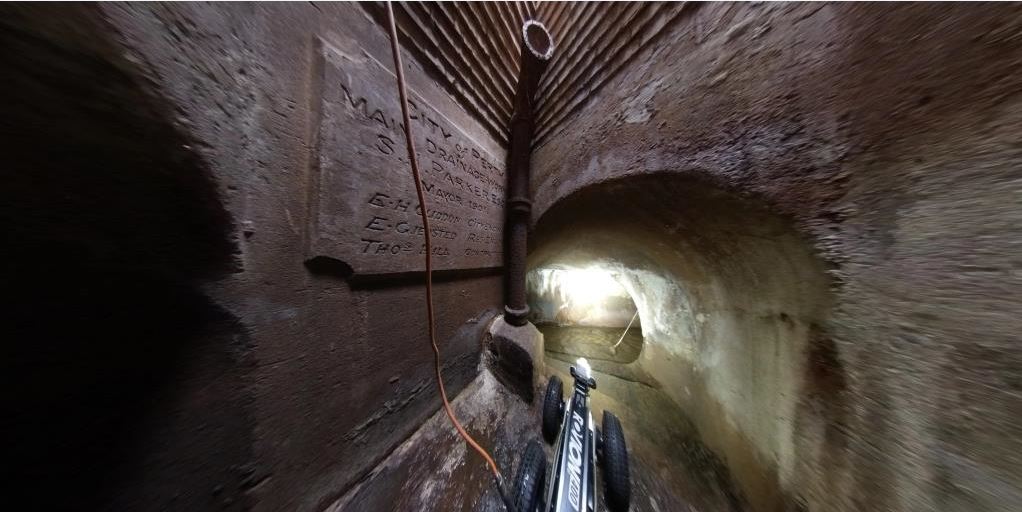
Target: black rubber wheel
529 479
615 465
553 409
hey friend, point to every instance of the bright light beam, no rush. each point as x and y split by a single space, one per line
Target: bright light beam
589 286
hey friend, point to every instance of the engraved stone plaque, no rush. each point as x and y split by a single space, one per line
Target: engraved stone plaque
363 202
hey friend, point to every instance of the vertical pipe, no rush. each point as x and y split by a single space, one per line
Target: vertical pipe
537 48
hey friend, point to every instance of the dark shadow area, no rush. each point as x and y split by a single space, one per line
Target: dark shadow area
125 385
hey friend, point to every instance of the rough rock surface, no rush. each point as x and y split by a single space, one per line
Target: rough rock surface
434 469
819 206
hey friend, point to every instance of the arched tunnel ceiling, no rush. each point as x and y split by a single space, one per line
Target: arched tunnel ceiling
473 49
595 40
470 47
732 302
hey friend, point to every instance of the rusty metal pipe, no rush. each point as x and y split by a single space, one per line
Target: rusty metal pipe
537 48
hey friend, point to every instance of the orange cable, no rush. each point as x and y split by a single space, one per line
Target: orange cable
429 244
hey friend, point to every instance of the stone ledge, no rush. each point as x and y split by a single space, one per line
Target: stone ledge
515 356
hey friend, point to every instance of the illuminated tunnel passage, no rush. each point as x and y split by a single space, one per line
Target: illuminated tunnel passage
584 312
729 301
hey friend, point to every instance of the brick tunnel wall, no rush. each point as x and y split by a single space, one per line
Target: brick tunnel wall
215 245
887 136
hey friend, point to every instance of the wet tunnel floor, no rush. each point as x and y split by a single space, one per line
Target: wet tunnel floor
434 470
594 343
671 469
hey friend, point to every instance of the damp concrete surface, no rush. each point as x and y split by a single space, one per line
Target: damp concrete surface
435 470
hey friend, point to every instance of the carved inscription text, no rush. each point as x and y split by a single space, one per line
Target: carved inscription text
365 208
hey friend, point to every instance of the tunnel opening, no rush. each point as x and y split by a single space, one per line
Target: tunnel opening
584 312
732 302
121 370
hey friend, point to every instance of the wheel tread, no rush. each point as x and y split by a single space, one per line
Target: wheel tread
616 476
529 480
552 408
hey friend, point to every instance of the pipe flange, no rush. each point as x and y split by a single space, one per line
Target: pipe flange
519 205
516 317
